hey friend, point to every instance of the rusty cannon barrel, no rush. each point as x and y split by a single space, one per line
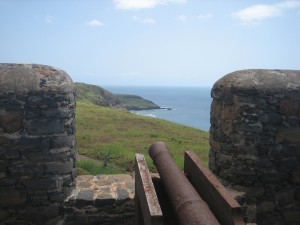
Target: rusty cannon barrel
189 207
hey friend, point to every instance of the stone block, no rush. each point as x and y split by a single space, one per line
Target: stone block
45 127
292 216
224 160
285 197
57 196
239 170
60 167
28 141
32 155
11 122
2 175
271 118
265 207
38 197
11 154
3 164
62 141
12 197
41 184
4 215
288 164
295 175
104 199
20 169
56 113
9 181
4 142
279 151
43 213
297 194
272 176
122 194
251 128
289 107
85 197
287 135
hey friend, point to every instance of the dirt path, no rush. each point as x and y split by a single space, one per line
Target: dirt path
82 157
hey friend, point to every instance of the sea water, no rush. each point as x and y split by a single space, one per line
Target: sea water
183 105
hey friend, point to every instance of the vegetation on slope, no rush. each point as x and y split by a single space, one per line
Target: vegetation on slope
134 102
113 136
100 96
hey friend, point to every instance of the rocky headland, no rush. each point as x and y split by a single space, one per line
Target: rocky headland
100 96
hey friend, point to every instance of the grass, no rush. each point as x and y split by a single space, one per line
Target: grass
118 135
93 167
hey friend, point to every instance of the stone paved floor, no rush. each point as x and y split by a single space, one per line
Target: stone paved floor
102 188
101 199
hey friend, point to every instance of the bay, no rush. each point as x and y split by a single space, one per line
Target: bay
188 106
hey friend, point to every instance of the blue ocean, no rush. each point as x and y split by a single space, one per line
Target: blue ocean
183 105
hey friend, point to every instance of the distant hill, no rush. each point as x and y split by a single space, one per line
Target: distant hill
100 96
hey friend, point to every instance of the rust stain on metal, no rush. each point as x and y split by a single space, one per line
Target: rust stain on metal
189 207
148 211
148 186
223 205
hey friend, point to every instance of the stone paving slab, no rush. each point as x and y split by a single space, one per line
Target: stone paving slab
101 189
101 199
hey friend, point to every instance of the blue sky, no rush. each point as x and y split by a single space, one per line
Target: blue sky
151 42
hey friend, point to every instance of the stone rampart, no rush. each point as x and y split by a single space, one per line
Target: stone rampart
255 142
37 143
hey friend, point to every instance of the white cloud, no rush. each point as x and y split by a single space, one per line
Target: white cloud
94 23
206 16
182 18
143 4
144 20
49 19
257 13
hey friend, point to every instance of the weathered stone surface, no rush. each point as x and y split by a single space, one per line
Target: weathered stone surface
11 197
19 169
255 141
37 142
104 199
287 134
43 213
296 175
45 127
60 167
22 78
108 200
41 184
292 216
289 108
11 154
285 197
122 194
85 197
11 121
251 82
265 206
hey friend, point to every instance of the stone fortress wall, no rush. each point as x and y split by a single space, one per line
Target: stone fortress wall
255 150
37 156
255 142
37 143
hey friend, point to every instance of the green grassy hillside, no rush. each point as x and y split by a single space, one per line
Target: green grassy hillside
134 102
100 96
113 136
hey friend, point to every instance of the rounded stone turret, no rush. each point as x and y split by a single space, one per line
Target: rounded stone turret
255 142
37 143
